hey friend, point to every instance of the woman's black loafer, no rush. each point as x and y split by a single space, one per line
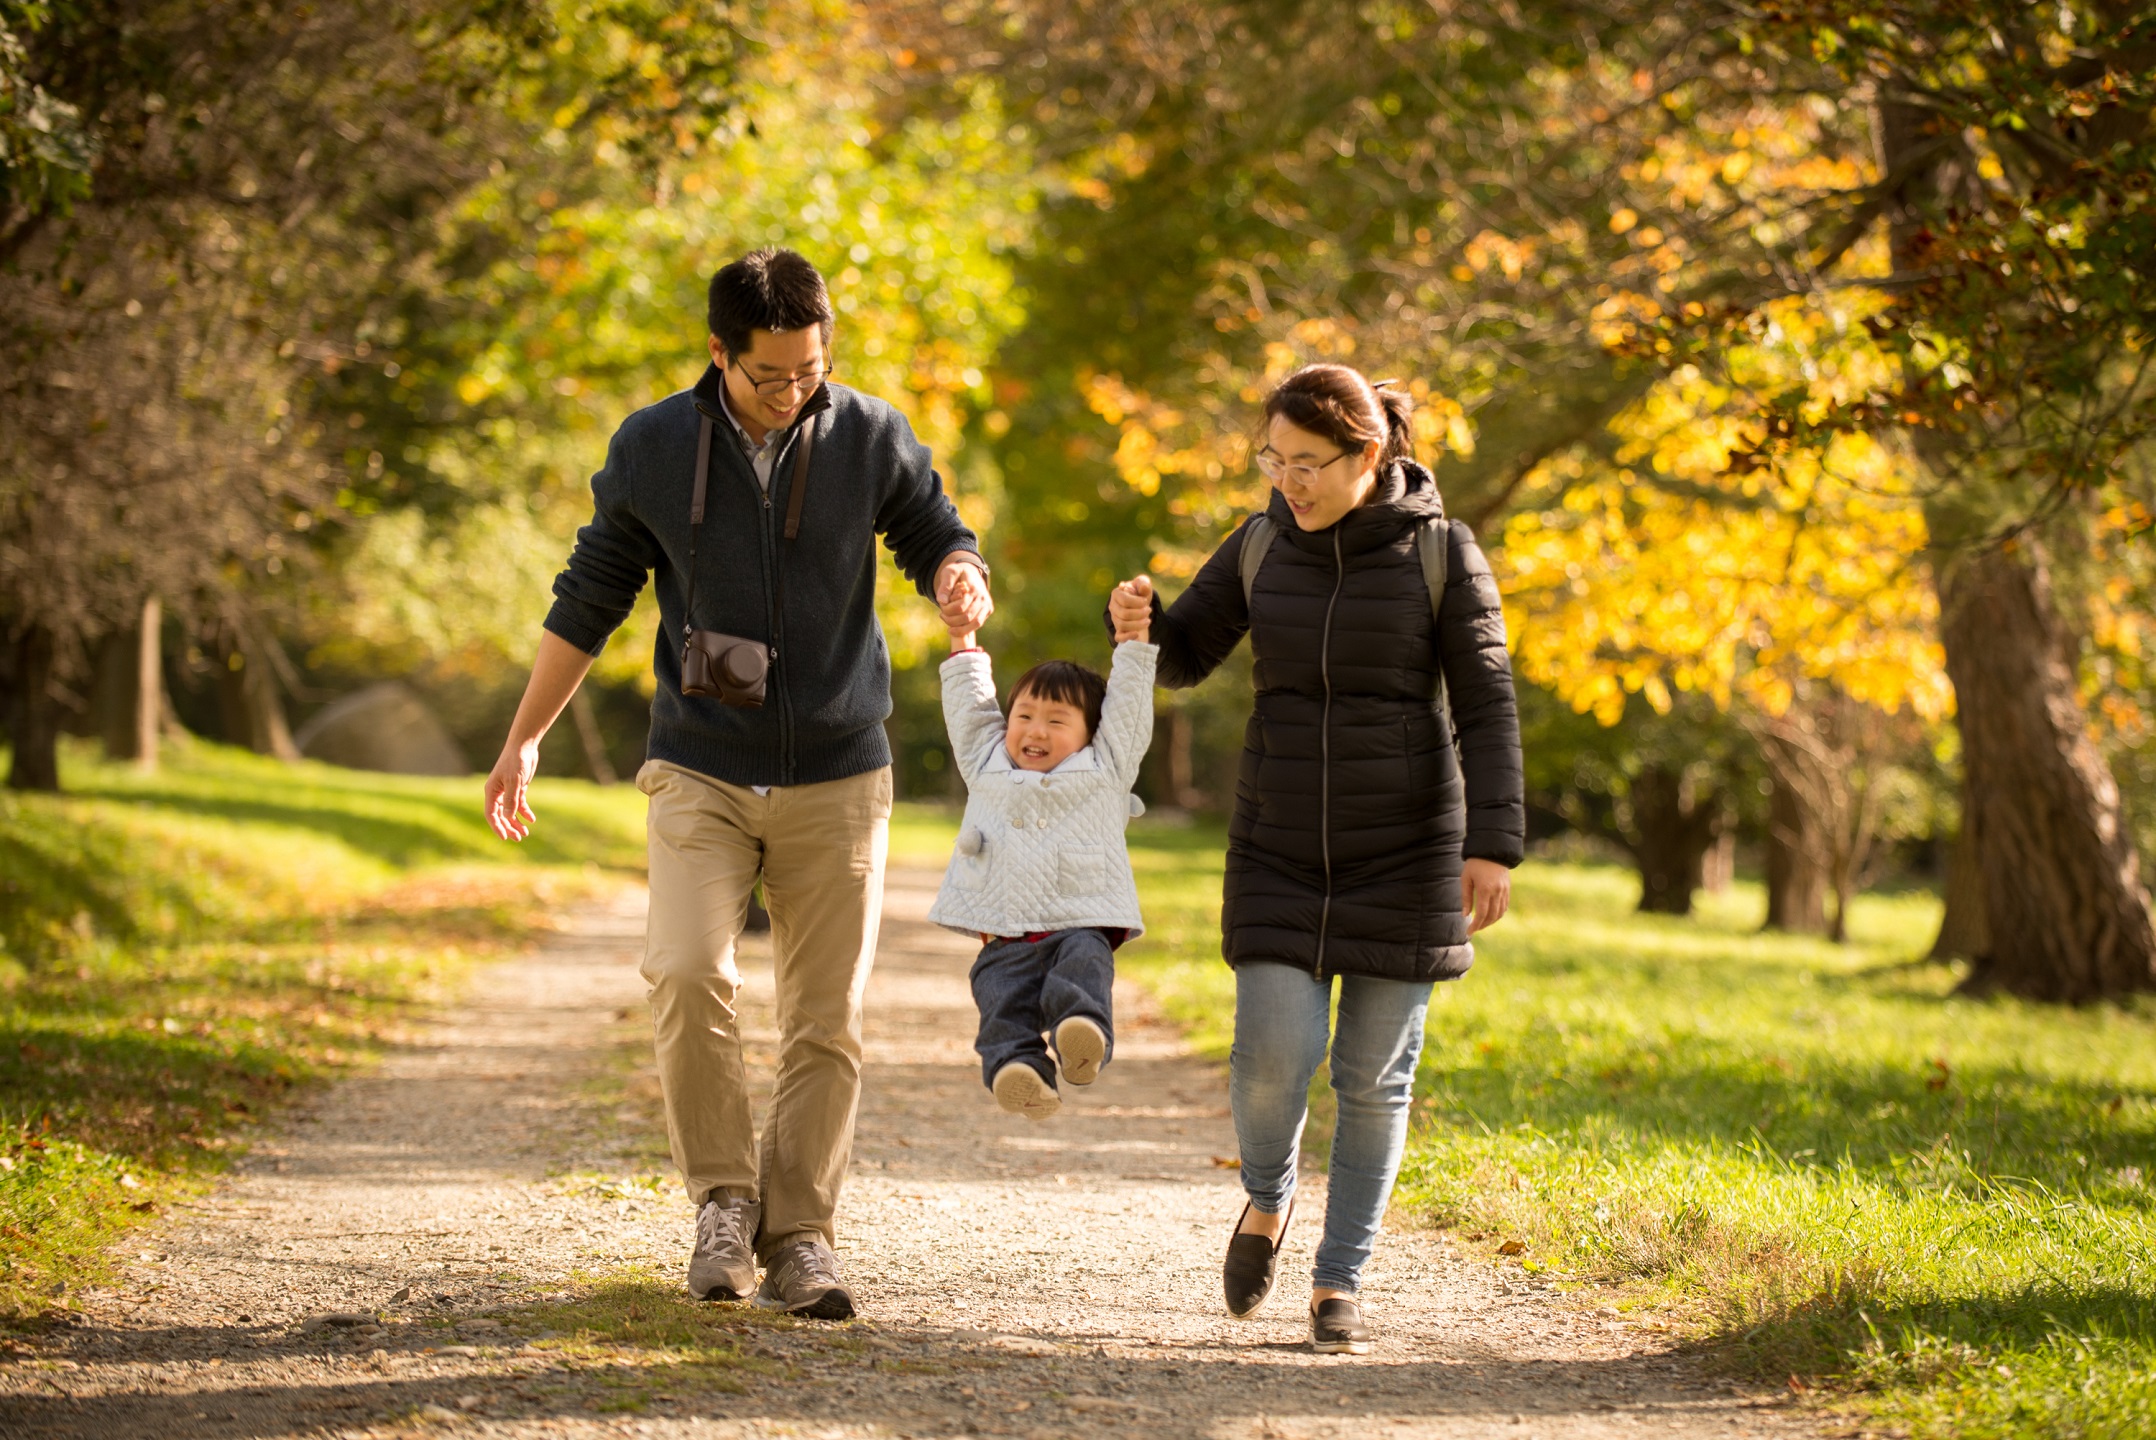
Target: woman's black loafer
1247 1277
1336 1328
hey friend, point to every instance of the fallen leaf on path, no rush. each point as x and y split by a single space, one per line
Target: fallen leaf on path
1227 1162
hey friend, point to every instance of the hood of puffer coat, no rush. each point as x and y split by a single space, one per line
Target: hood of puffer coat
1406 495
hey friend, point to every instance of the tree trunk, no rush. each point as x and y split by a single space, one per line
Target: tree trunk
1183 791
1718 867
2068 917
128 696
1796 878
1963 932
251 708
2064 909
1672 830
34 725
112 694
149 683
596 759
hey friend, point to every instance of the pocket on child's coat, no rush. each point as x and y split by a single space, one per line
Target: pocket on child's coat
1082 871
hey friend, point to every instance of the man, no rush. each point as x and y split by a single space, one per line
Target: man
795 791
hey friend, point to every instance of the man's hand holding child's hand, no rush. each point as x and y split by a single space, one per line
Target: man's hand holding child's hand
1130 607
962 597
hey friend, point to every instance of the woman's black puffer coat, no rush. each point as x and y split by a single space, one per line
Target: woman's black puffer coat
1351 817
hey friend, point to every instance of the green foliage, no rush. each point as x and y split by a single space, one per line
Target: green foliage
1813 1156
185 950
45 153
508 396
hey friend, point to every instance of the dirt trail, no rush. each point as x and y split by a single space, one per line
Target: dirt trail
1059 1279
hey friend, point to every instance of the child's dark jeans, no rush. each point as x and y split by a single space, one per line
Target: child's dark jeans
1025 987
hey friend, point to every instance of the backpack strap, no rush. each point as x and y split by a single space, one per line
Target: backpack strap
1433 545
1257 541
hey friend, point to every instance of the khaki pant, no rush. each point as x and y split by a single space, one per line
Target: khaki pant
820 850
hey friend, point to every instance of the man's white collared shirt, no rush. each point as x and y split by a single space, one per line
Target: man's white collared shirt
760 457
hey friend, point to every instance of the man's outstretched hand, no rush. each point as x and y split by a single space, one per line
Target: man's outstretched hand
1130 609
962 593
507 809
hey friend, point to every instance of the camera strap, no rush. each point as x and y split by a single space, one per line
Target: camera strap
797 494
696 512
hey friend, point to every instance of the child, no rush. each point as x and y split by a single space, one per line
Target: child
1040 874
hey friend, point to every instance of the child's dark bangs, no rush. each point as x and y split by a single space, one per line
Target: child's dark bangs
1060 688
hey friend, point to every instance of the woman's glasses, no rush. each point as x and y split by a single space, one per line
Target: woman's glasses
1273 466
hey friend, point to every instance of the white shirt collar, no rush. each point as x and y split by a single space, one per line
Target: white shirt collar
726 405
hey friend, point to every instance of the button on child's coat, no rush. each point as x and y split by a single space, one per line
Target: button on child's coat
1044 851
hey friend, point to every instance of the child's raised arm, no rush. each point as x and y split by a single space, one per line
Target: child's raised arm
1126 714
970 713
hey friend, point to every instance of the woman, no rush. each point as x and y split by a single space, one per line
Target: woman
1363 847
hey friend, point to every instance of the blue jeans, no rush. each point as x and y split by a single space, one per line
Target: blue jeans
1281 1023
1023 989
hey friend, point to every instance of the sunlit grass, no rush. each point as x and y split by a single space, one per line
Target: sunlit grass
921 835
179 952
643 1335
1814 1156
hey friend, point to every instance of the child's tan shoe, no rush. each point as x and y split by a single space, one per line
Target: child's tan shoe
1081 1049
1021 1089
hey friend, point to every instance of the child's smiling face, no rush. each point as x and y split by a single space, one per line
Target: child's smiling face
1042 734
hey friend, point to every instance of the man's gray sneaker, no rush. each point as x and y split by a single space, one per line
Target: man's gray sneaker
801 1278
723 1266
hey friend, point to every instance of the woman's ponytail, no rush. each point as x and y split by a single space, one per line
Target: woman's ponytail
1399 410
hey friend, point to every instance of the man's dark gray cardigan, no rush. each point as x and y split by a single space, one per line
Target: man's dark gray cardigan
830 687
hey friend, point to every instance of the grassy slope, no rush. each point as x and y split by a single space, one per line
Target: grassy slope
1814 1155
178 952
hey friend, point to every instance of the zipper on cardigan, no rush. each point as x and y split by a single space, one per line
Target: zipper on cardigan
771 600
1325 758
771 622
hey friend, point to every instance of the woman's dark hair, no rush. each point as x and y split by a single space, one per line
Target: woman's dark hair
767 289
1337 402
1068 682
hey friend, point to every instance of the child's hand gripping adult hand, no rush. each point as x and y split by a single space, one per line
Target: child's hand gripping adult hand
1130 608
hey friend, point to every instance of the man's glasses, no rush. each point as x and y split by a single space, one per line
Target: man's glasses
806 384
1273 467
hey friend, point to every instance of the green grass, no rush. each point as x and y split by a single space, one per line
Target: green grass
921 834
1813 1158
180 952
642 1335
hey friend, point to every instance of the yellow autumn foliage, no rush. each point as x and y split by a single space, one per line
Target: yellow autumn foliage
1712 554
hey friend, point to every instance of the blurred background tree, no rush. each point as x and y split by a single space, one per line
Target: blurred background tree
220 223
1550 213
1790 358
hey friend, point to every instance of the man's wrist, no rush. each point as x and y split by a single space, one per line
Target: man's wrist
962 557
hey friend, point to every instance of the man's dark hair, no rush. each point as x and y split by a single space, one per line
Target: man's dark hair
767 289
1068 682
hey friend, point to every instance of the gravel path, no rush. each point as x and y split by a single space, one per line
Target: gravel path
471 1239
